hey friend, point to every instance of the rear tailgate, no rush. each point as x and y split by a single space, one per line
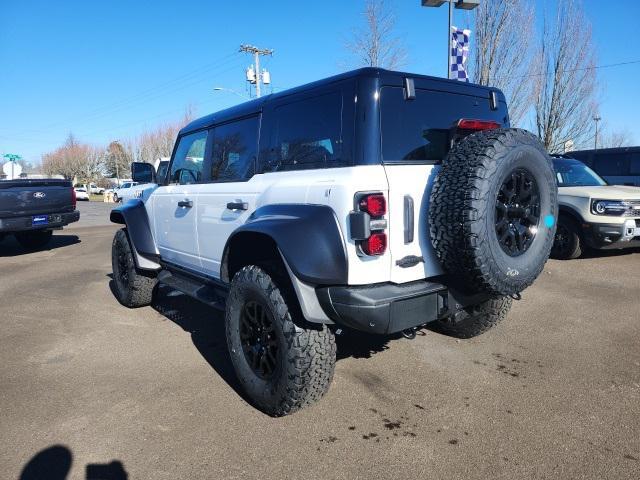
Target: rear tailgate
21 198
416 135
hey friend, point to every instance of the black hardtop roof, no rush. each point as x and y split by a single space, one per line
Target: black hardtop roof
255 105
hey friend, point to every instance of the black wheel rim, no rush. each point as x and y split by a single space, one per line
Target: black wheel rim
258 338
561 240
517 212
123 269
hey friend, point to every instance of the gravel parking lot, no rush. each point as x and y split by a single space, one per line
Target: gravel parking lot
553 392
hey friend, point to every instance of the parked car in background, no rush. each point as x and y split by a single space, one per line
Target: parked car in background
618 166
592 213
81 193
123 192
96 190
31 209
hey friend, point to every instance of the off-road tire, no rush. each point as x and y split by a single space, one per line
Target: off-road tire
34 239
475 320
571 247
462 212
135 289
306 353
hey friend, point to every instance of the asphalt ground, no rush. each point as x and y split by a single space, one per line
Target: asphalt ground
107 392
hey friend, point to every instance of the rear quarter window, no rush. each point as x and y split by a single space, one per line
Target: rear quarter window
308 135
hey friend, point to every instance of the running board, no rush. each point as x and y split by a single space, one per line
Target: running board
199 289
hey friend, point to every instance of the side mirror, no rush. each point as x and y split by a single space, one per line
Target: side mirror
143 172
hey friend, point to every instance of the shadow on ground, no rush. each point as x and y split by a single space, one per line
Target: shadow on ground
9 247
592 253
54 463
206 326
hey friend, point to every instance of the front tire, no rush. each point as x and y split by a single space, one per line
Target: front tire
567 244
475 320
282 366
35 239
133 288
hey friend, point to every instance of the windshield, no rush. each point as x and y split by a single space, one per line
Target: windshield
572 173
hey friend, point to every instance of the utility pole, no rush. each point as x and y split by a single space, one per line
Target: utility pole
596 118
257 77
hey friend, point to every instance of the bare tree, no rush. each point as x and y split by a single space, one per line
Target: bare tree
565 79
158 143
501 51
375 44
73 160
614 139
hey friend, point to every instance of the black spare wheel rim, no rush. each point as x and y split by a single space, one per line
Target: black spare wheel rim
258 338
517 212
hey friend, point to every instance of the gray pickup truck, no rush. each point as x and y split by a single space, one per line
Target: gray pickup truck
31 209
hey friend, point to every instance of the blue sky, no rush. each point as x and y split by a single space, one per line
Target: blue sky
107 70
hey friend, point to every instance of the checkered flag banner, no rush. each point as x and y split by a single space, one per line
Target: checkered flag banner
459 54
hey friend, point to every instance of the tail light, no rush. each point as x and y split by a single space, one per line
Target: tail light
74 198
368 224
374 204
477 125
376 244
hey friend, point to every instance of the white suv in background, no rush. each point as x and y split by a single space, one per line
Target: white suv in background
593 214
124 192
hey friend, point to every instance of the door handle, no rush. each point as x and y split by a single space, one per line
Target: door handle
237 205
185 203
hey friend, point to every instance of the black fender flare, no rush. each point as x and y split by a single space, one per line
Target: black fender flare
308 237
133 215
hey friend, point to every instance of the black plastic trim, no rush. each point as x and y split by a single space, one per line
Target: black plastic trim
133 214
387 307
307 235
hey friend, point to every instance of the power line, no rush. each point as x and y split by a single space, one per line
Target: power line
147 94
595 67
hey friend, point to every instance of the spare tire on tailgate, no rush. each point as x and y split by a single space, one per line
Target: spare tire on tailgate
493 210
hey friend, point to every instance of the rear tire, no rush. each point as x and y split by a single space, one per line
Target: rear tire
475 320
567 244
133 288
282 366
34 239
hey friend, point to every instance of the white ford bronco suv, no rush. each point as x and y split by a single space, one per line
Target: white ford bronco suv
593 214
376 201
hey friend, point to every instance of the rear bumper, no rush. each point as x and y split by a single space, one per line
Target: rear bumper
604 236
54 220
388 307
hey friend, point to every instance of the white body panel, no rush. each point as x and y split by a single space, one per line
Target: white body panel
579 198
175 227
415 181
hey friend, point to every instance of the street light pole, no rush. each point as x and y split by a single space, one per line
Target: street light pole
596 118
461 4
449 39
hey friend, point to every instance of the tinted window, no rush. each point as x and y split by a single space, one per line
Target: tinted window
162 172
616 164
234 150
634 164
308 135
187 162
419 129
575 174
